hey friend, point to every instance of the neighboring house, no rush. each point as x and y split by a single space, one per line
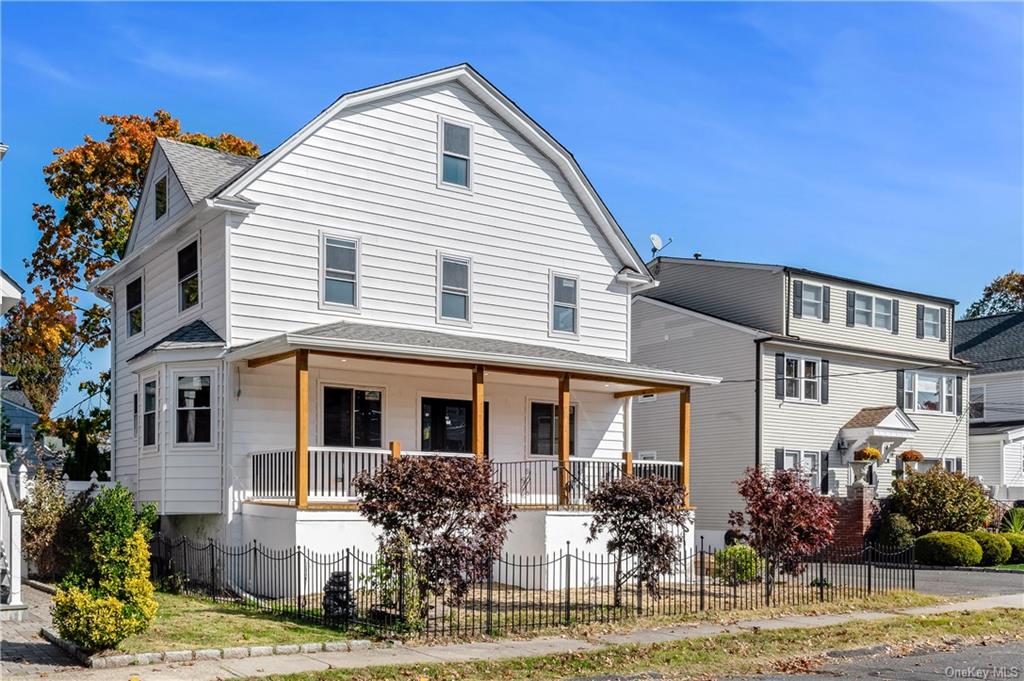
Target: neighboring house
11 292
19 420
996 345
421 269
813 367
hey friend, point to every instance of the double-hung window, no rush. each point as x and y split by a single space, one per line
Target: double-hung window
454 302
807 462
160 198
544 429
803 378
194 418
456 152
133 305
929 393
352 417
149 409
340 278
811 301
977 402
564 304
872 311
932 322
188 276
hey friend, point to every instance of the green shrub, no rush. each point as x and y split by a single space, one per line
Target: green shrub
43 510
736 564
938 500
1016 541
1013 521
995 550
896 532
947 548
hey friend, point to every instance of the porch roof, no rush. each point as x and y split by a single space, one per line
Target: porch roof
374 341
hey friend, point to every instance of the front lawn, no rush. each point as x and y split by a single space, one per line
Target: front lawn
1019 567
189 623
782 650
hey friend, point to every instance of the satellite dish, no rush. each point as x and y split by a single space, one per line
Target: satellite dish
656 242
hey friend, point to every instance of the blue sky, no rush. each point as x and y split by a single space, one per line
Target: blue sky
877 141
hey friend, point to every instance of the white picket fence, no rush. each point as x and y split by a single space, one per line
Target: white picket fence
22 484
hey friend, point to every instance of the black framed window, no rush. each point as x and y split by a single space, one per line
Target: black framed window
188 276
352 417
133 304
544 429
447 425
160 197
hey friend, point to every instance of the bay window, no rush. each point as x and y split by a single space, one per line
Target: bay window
149 411
193 410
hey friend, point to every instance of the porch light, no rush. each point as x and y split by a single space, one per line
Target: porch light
842 446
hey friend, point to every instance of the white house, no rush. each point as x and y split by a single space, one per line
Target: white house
996 345
814 367
421 269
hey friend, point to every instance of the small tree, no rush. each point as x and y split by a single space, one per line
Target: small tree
446 515
43 511
1004 294
645 519
937 500
789 521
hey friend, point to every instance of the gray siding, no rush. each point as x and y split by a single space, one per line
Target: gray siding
722 416
1004 395
746 295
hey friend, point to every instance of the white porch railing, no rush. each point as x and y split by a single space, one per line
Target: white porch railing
535 482
10 541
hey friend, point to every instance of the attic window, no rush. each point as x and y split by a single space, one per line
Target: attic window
160 197
188 276
133 303
456 145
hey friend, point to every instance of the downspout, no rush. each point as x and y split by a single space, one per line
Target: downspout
757 400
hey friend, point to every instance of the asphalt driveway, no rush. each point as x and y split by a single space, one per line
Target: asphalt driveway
969 582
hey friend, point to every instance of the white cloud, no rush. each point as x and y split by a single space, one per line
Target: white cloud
38 64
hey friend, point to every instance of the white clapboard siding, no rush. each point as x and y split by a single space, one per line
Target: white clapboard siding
161 317
1004 395
1013 464
880 340
854 383
371 174
987 460
722 438
147 226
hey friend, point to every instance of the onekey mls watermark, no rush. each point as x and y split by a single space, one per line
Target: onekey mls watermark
983 672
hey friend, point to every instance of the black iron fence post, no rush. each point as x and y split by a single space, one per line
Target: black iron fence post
869 550
490 597
701 570
299 601
913 569
568 593
401 589
213 569
350 602
821 576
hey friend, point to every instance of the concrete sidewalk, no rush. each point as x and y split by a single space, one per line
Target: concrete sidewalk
491 650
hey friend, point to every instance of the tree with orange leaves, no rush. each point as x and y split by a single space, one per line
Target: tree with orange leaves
100 183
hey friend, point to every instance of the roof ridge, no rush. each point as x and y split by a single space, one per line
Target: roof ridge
208 149
989 316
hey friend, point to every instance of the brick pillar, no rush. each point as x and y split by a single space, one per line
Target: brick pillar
856 513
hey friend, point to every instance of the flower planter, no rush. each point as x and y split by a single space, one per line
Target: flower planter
860 470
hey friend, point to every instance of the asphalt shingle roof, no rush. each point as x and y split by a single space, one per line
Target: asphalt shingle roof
19 398
995 343
869 417
202 171
194 335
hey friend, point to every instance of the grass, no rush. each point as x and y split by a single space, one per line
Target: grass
1019 567
187 623
783 650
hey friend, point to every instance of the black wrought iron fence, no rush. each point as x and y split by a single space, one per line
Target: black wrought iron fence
351 589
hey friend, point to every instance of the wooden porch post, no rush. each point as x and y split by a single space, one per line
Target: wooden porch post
478 412
627 464
563 440
302 428
684 442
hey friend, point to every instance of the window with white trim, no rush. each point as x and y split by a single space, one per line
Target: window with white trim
149 413
954 465
194 413
544 429
188 276
456 149
160 198
340 270
808 462
454 295
925 393
977 402
15 435
932 322
352 417
872 311
133 305
803 379
564 304
811 301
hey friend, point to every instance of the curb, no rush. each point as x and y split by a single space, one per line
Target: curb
39 586
139 659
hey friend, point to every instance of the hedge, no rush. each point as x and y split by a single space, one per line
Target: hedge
947 548
995 550
1016 541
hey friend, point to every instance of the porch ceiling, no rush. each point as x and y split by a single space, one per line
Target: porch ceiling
367 341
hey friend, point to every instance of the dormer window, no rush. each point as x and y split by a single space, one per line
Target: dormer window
456 150
188 276
932 322
872 311
160 197
810 302
133 305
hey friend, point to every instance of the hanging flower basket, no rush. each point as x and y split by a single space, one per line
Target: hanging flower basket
869 454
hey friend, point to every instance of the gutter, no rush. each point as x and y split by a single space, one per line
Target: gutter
758 360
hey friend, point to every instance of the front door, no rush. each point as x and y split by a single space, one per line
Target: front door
447 425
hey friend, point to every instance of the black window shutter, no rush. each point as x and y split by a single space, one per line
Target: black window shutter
823 469
871 474
920 321
826 303
798 298
824 381
959 465
895 317
899 389
942 325
849 308
780 459
959 395
780 375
